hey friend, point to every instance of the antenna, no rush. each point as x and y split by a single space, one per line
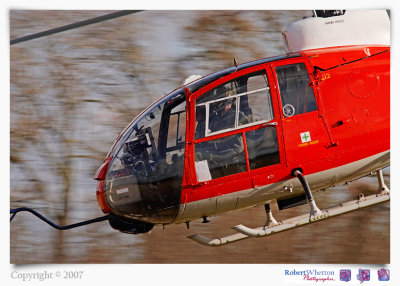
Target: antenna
14 212
235 62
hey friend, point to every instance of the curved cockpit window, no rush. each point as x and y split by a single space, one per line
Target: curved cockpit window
145 176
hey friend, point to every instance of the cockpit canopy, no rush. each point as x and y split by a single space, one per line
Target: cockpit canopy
145 176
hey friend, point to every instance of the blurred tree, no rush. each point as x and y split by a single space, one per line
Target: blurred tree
220 36
66 89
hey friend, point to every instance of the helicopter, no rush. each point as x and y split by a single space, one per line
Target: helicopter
273 130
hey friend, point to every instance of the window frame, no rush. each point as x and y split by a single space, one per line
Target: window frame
236 97
237 107
273 123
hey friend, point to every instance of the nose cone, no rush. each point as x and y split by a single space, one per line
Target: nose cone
138 192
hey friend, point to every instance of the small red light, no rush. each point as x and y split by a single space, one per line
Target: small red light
100 176
102 171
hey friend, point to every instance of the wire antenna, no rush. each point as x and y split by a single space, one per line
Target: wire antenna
74 26
61 227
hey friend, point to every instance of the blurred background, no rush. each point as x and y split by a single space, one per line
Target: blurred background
73 92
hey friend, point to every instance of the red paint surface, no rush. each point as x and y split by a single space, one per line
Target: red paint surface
352 121
352 90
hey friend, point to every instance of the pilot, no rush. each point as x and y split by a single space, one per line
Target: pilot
224 116
225 153
223 113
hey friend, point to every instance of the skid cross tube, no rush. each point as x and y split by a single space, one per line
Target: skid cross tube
297 173
60 227
315 212
270 219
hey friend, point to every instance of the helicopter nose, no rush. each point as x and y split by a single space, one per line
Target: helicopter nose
139 192
143 180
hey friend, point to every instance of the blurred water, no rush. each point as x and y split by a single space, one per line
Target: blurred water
73 92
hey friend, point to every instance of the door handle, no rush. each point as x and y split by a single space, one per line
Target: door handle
270 124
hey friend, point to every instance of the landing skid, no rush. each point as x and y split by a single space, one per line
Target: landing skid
383 195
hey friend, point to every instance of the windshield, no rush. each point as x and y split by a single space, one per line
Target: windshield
145 176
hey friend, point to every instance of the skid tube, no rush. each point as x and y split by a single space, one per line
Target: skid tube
246 232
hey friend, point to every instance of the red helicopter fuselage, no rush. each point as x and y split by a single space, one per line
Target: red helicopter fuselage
231 140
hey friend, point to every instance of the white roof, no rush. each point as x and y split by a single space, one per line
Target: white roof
355 27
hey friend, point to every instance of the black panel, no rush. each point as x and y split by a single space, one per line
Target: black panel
292 202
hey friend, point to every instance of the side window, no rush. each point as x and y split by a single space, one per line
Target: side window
262 147
176 127
176 133
236 104
297 95
220 157
242 102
